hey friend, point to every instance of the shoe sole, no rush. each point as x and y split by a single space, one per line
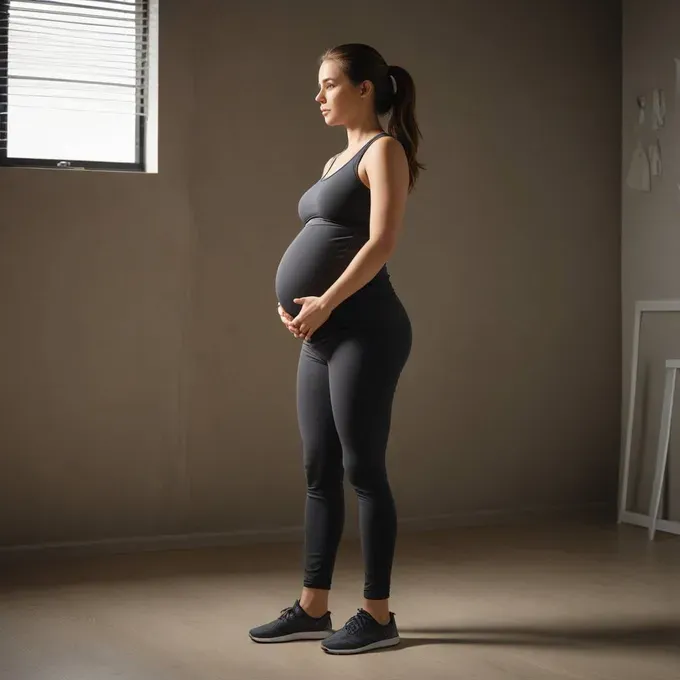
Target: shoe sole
292 637
381 644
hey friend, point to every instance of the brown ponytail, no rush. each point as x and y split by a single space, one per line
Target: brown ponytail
362 62
402 123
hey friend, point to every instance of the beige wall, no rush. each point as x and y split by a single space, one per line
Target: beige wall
148 388
651 239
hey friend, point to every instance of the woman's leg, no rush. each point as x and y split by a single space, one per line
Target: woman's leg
364 371
309 618
322 453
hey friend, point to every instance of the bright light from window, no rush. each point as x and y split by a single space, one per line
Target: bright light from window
72 80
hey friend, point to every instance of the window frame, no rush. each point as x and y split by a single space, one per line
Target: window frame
141 132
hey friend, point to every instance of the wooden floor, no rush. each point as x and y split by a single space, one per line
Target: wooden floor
589 601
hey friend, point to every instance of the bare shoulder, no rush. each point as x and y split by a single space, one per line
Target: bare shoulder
388 149
385 157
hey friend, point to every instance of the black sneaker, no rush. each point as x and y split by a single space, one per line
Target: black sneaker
362 633
293 624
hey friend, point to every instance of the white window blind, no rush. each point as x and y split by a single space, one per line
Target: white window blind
73 82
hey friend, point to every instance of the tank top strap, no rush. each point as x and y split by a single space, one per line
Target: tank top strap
364 149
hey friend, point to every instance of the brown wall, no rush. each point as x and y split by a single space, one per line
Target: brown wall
651 241
148 387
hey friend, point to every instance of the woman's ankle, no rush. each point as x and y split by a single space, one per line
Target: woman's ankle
314 601
379 610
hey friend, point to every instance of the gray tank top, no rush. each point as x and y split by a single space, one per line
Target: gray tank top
335 213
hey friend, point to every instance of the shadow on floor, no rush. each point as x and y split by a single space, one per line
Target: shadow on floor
643 635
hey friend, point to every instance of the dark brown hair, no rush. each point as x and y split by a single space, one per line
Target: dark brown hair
362 62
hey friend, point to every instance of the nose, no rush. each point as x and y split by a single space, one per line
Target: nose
319 98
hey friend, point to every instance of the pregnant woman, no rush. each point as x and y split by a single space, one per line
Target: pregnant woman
335 294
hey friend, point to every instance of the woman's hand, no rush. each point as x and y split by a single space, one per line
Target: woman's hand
313 315
286 319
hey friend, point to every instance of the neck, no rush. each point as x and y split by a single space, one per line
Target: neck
358 134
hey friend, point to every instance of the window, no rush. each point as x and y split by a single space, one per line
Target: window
74 83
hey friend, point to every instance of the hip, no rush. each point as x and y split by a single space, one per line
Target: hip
376 317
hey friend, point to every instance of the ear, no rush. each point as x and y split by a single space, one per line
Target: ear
365 88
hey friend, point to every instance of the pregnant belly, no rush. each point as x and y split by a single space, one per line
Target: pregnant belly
313 261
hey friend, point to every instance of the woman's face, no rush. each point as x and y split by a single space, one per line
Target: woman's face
338 98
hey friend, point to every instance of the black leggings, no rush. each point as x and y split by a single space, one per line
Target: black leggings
346 384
